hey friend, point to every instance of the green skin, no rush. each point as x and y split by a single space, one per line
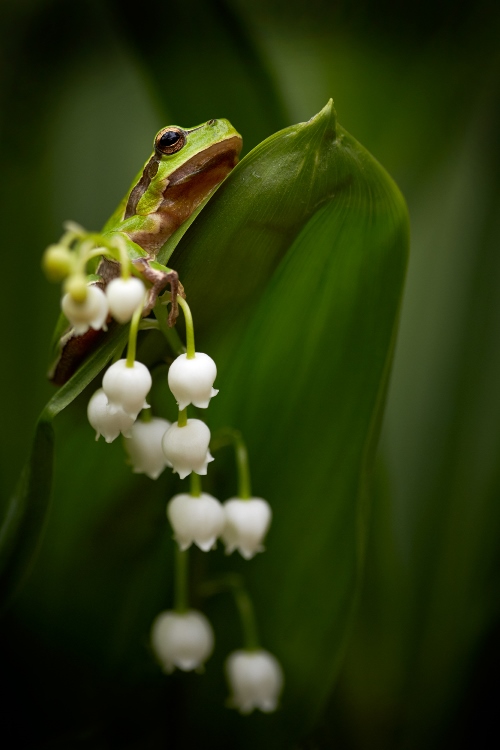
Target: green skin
163 195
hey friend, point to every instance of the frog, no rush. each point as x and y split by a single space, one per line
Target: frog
186 167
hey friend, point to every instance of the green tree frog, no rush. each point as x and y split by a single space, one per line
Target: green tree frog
184 169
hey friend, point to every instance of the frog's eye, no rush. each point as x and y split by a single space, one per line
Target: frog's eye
170 140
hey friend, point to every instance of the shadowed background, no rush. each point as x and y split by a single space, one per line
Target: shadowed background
83 87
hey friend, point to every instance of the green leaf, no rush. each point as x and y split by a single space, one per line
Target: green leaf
25 513
305 380
294 272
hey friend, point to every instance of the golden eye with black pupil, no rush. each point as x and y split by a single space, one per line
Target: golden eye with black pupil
170 141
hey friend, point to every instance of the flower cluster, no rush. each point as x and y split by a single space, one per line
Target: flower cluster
85 303
186 640
181 638
114 408
91 308
201 520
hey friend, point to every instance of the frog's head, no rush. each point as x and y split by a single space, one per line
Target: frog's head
186 165
176 146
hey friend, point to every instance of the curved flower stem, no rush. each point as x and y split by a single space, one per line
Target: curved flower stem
72 232
244 488
229 436
190 350
182 419
247 617
92 244
170 334
124 259
195 481
95 253
181 580
234 584
132 336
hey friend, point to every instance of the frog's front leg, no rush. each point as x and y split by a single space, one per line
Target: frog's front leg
156 274
159 277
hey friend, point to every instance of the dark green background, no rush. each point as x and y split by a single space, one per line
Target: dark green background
83 86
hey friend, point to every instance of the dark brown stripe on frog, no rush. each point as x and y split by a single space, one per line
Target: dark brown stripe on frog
138 191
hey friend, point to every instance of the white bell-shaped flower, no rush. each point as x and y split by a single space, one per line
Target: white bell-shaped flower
106 423
124 297
91 313
197 520
144 447
191 380
247 523
255 679
186 448
184 640
127 387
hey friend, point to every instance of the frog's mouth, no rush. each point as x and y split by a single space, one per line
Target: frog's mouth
210 163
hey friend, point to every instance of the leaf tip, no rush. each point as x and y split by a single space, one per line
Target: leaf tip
326 117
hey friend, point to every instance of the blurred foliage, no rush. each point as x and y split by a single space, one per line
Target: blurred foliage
83 86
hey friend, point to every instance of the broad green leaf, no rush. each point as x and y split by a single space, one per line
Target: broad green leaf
306 384
294 271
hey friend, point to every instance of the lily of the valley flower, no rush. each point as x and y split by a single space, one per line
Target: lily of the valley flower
127 387
255 679
106 423
184 640
143 446
191 380
186 448
124 297
247 523
197 520
91 313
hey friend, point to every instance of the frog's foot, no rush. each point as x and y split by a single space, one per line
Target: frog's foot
159 280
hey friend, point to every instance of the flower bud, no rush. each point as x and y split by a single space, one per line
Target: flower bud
104 423
124 297
57 262
191 380
144 447
247 523
255 679
196 519
184 640
187 447
77 288
127 387
91 313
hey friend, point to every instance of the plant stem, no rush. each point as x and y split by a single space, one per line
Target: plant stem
170 334
132 336
195 481
247 617
233 583
241 453
182 418
181 575
190 350
228 436
124 259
